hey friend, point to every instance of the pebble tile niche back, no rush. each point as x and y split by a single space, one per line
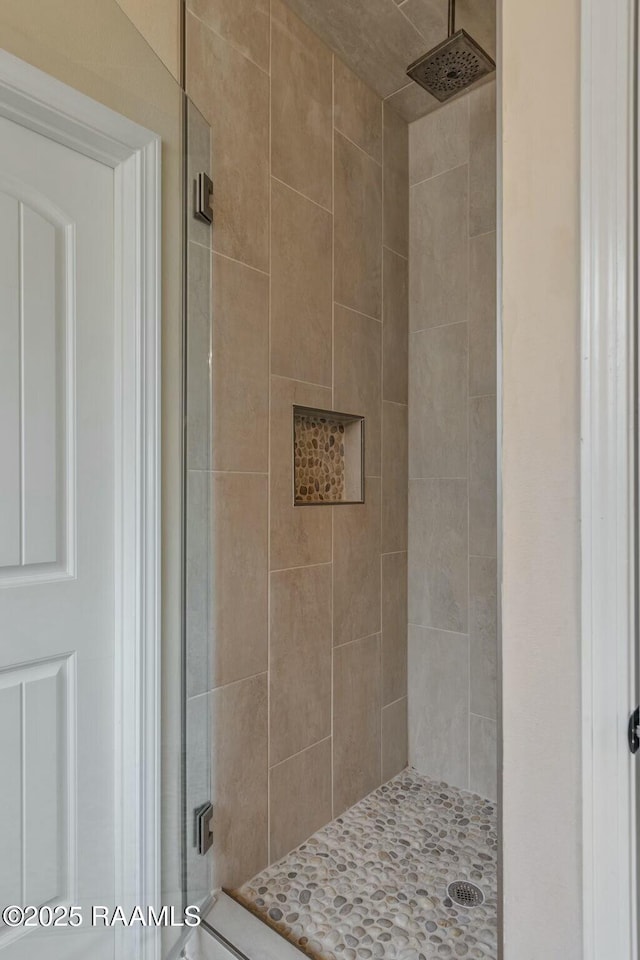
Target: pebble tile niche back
328 457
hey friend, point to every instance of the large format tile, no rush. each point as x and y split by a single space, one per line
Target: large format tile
483 320
439 251
357 110
478 18
394 477
482 476
356 567
198 385
439 141
243 23
301 106
483 636
299 798
299 535
484 757
301 284
394 739
439 705
438 402
239 518
412 102
357 229
372 36
239 780
356 721
299 659
438 551
395 326
396 181
482 167
240 358
357 373
429 17
233 95
394 627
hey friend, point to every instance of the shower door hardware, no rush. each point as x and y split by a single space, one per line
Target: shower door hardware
204 833
203 198
632 732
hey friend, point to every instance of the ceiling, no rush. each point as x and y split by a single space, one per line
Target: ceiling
378 39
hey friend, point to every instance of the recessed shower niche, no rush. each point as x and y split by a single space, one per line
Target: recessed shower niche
328 457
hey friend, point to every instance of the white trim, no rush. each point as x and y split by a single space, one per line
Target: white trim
43 104
608 589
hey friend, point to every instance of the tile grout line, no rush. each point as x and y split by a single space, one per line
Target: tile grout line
382 442
299 193
444 173
333 390
468 456
231 44
346 137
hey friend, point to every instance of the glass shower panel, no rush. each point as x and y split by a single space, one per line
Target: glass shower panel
199 585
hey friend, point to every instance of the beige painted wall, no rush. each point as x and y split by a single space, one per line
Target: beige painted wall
159 23
305 659
452 444
541 357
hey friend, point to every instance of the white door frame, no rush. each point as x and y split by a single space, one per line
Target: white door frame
608 561
39 102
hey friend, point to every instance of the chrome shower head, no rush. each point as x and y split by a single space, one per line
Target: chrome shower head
453 65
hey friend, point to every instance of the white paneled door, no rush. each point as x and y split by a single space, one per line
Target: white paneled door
57 547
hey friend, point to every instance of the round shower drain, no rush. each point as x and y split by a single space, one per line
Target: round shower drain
465 894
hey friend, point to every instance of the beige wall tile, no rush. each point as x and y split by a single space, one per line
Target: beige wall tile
484 757
394 739
438 271
299 659
394 627
438 549
299 798
299 535
233 95
301 106
483 319
356 722
396 181
439 705
395 329
438 402
429 17
357 376
439 141
159 24
482 476
301 285
412 102
239 778
243 23
356 567
483 636
357 110
394 477
240 375
372 35
239 518
357 229
482 167
198 322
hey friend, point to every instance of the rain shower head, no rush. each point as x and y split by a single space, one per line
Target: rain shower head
453 65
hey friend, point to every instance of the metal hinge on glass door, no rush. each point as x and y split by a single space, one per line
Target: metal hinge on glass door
203 198
632 732
204 833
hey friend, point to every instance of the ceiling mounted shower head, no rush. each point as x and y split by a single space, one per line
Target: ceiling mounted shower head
453 65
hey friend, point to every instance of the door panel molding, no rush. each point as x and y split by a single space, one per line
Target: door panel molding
45 105
607 478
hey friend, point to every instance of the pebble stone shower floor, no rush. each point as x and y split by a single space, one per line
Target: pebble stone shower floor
373 883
